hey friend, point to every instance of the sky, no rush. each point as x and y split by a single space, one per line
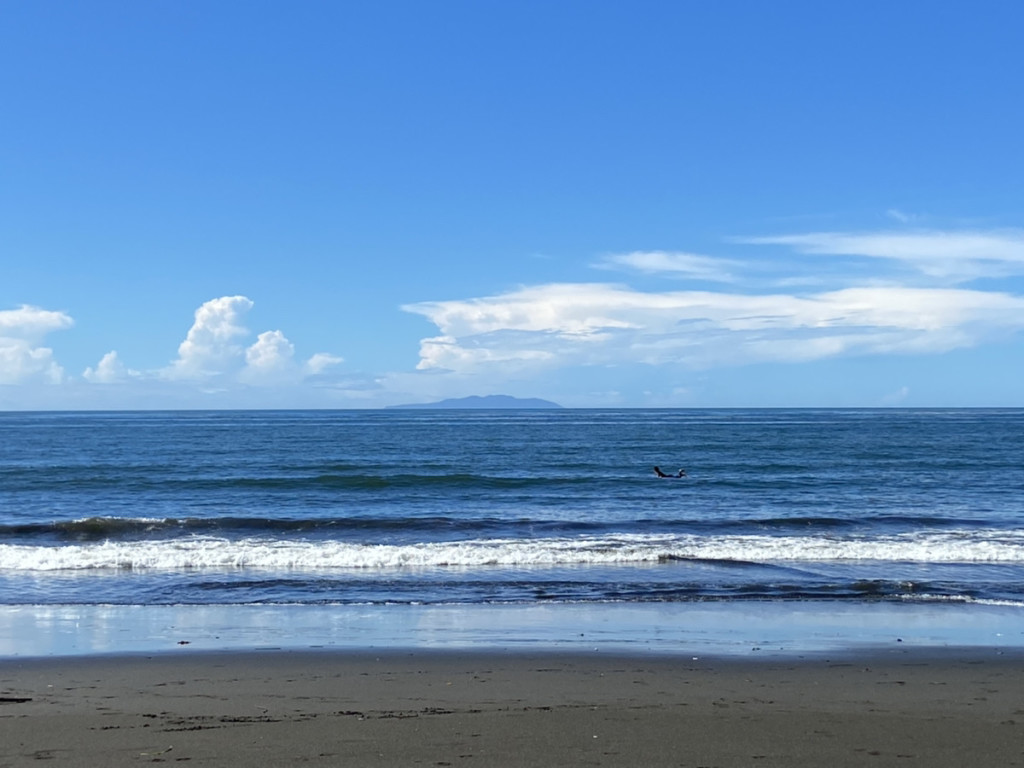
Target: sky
250 204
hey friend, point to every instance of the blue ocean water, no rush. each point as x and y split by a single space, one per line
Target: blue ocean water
511 507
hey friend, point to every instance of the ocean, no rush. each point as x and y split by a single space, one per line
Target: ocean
814 510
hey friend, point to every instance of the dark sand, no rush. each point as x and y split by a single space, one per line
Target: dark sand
902 707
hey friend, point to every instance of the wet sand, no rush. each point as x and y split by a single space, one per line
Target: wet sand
901 707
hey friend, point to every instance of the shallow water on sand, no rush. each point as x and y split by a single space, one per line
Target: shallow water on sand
760 629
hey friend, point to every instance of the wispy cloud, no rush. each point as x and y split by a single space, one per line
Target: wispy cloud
676 263
320 362
954 256
902 216
866 311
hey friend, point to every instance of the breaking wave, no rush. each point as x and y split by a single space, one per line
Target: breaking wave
199 552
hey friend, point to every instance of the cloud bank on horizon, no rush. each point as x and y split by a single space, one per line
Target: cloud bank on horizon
832 295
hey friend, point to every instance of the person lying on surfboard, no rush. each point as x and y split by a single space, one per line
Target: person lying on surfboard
659 473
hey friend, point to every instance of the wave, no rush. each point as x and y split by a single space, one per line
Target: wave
101 477
114 528
994 602
107 527
201 552
117 527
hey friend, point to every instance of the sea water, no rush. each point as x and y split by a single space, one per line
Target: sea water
545 513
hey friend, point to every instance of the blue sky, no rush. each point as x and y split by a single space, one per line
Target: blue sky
358 204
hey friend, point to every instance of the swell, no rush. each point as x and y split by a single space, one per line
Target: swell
135 528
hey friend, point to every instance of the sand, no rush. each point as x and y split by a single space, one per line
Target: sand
892 707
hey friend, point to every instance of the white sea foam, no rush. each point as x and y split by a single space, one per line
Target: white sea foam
994 602
261 553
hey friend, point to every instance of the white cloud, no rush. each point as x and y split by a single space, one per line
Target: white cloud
320 362
270 360
23 359
215 365
110 369
947 255
833 295
214 349
599 324
271 352
21 363
32 323
866 310
211 346
677 263
568 308
901 216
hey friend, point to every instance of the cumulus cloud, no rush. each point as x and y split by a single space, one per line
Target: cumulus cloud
21 363
270 360
23 358
211 346
110 369
218 358
271 352
214 349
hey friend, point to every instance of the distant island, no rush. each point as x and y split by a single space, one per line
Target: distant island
488 401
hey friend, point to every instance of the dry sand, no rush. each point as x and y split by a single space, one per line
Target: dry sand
903 707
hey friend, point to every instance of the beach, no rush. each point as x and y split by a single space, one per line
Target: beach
892 706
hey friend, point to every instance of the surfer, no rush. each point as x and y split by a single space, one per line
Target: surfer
659 473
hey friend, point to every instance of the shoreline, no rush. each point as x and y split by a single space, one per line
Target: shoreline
881 707
741 629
